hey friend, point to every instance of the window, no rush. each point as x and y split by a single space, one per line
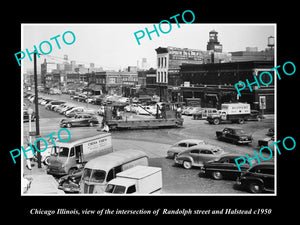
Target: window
110 175
63 152
98 176
266 171
195 151
72 152
131 189
182 145
86 174
119 189
203 151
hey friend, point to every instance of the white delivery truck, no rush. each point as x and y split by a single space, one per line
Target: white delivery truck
137 180
234 112
69 157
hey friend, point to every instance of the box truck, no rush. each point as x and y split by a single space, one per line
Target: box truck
137 180
234 112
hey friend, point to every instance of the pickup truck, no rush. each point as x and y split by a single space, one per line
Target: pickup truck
235 135
137 180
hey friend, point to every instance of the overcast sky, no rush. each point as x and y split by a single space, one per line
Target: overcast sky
113 46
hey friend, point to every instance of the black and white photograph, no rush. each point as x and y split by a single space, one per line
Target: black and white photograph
162 117
163 113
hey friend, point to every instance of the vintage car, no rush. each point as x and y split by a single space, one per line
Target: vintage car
235 135
257 179
198 155
181 146
270 132
254 115
266 142
70 183
224 167
80 119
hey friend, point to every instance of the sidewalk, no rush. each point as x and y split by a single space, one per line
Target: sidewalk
42 183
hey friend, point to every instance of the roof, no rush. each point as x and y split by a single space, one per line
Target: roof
139 172
204 146
191 140
123 181
106 162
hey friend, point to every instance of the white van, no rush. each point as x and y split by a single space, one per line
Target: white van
99 171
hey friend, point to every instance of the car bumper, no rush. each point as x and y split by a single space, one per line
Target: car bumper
244 141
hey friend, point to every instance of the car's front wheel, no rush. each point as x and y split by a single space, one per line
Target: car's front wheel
187 165
255 187
217 175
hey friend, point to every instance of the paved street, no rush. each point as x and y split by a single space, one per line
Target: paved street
156 142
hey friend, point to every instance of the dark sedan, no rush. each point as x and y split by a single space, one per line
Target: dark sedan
224 167
235 135
258 179
80 120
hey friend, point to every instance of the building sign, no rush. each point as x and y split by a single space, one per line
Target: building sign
186 84
262 102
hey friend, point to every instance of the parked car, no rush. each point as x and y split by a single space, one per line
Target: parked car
180 146
188 111
73 111
146 110
257 179
254 115
235 135
266 142
70 183
270 132
52 103
198 155
81 119
224 167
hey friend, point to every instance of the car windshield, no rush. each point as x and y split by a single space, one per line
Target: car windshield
94 175
60 151
117 189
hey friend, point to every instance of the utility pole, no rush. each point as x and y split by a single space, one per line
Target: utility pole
37 121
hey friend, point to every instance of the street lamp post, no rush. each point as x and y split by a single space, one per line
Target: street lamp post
37 121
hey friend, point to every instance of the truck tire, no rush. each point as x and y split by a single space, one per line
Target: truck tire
241 121
216 121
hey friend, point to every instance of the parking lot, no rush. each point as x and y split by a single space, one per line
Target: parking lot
155 142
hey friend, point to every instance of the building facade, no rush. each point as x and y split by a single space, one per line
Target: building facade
170 59
214 84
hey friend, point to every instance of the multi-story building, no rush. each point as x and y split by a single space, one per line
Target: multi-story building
112 82
214 84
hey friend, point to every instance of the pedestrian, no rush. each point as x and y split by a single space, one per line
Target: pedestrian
29 157
163 111
179 110
105 127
